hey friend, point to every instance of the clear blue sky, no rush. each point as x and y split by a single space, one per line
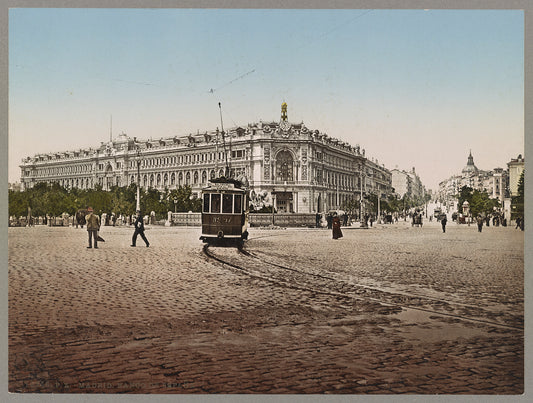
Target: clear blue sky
414 88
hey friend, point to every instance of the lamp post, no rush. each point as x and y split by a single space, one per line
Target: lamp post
138 160
361 195
175 205
379 207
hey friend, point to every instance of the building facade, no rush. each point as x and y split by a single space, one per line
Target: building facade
287 164
515 167
408 183
495 183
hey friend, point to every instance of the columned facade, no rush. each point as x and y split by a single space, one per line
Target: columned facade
299 169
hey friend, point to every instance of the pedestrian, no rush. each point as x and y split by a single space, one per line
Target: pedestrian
317 220
139 230
93 226
329 220
479 223
336 226
518 221
443 221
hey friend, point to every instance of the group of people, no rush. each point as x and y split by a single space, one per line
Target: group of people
93 226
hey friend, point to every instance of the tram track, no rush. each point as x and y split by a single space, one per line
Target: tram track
257 267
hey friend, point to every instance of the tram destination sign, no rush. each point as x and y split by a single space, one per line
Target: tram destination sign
223 186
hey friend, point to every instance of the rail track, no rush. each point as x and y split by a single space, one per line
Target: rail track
335 284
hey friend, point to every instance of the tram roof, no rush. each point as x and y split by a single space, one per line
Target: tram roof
223 183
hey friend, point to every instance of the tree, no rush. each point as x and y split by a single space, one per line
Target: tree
517 202
465 194
18 203
479 201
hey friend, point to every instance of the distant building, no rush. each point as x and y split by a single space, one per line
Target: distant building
287 164
515 167
401 183
408 184
495 183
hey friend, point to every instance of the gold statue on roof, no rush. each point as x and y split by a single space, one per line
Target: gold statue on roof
284 111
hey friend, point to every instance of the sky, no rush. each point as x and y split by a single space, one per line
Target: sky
414 88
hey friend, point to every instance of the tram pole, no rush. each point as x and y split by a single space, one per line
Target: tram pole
138 160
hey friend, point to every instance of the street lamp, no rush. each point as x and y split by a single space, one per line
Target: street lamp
361 175
175 205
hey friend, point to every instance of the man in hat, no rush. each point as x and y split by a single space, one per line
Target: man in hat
139 230
93 226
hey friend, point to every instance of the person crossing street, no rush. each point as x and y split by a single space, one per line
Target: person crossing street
139 230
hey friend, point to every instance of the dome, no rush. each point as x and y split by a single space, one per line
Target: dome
470 168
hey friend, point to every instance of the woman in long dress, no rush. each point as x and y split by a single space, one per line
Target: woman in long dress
336 227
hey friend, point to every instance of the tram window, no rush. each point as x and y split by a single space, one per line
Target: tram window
237 204
227 203
215 203
206 203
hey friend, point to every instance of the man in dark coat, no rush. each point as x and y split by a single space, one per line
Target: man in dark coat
443 221
93 225
479 223
139 230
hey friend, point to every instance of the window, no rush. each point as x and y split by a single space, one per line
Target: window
227 203
237 204
215 203
237 154
206 203
284 166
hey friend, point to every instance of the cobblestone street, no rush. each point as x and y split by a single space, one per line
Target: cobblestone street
388 310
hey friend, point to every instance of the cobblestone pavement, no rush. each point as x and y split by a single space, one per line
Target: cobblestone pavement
396 310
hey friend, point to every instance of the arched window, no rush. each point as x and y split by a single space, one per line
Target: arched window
196 178
212 174
188 179
204 177
158 180
165 180
173 179
180 179
284 166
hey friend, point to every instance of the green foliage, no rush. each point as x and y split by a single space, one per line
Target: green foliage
352 206
55 200
517 202
465 194
479 201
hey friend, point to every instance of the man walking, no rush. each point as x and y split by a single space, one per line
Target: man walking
479 223
443 221
93 226
139 230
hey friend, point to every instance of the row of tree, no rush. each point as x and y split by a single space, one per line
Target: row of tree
481 204
392 204
54 200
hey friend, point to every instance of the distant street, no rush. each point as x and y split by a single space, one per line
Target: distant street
385 310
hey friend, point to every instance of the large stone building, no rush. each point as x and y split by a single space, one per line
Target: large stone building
296 168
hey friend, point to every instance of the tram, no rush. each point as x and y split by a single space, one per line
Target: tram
224 213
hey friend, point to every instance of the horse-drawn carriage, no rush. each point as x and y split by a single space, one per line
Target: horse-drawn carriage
416 220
